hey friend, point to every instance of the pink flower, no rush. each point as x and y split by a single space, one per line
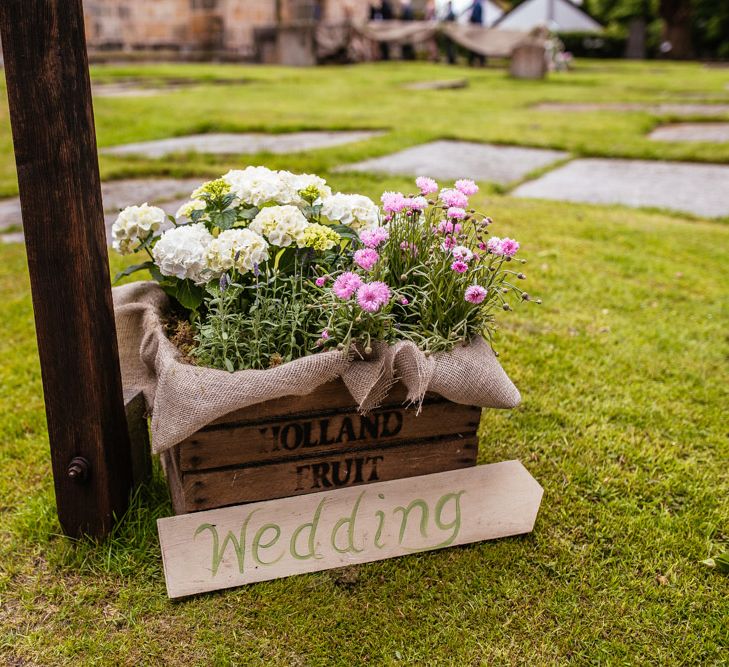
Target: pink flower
506 246
372 296
467 187
404 245
448 243
482 246
459 267
416 203
393 202
404 301
325 334
462 253
374 237
445 227
509 247
321 281
454 198
475 294
456 212
426 185
366 258
346 285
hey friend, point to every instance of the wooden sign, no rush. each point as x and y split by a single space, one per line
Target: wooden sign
232 546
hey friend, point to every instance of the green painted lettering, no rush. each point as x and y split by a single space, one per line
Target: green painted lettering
257 544
350 520
312 526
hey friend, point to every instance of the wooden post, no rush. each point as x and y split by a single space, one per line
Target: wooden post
49 93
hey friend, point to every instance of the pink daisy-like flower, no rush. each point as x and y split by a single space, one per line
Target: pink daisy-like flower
456 213
459 266
426 185
475 294
462 253
372 296
482 246
466 186
448 243
404 301
416 203
366 258
325 334
393 202
454 198
509 247
321 281
374 237
346 285
445 227
494 245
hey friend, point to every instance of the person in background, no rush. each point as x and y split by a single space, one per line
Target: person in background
476 18
450 47
382 11
431 14
407 14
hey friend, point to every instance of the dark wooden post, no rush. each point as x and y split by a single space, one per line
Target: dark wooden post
49 93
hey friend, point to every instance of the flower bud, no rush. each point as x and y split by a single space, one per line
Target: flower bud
506 306
524 296
368 350
403 277
521 276
538 301
340 346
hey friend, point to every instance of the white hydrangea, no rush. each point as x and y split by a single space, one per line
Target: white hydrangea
185 211
182 252
256 185
295 183
281 225
133 225
239 248
356 211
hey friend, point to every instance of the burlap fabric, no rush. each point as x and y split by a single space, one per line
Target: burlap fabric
183 398
491 42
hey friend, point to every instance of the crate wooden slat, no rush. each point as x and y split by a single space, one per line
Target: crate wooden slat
304 444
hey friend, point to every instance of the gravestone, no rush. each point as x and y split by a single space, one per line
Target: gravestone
528 61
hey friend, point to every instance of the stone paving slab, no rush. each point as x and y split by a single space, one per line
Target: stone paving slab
706 132
461 159
236 144
443 84
692 109
701 189
167 193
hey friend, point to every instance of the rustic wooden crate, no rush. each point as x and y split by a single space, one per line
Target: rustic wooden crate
304 444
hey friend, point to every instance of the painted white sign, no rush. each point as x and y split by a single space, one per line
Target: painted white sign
227 547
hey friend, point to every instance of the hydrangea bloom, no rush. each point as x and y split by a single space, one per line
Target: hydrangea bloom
453 198
319 237
294 184
466 186
134 225
372 238
216 188
182 252
257 186
355 211
185 211
366 258
459 266
281 225
242 249
456 213
475 294
372 296
427 186
346 285
462 252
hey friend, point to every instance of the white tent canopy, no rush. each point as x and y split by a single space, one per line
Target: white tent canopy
560 15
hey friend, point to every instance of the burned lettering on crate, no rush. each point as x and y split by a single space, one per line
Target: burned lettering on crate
329 474
336 430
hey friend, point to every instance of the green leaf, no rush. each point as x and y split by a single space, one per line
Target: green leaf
248 213
223 219
229 365
133 269
346 232
187 293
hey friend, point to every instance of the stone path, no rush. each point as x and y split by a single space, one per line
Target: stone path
701 189
445 84
236 144
168 193
460 159
657 109
708 132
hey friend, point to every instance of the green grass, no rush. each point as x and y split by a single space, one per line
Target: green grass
623 371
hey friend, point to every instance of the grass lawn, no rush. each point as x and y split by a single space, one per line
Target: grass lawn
623 371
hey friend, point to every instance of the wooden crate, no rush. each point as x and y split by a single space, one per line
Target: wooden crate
304 444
